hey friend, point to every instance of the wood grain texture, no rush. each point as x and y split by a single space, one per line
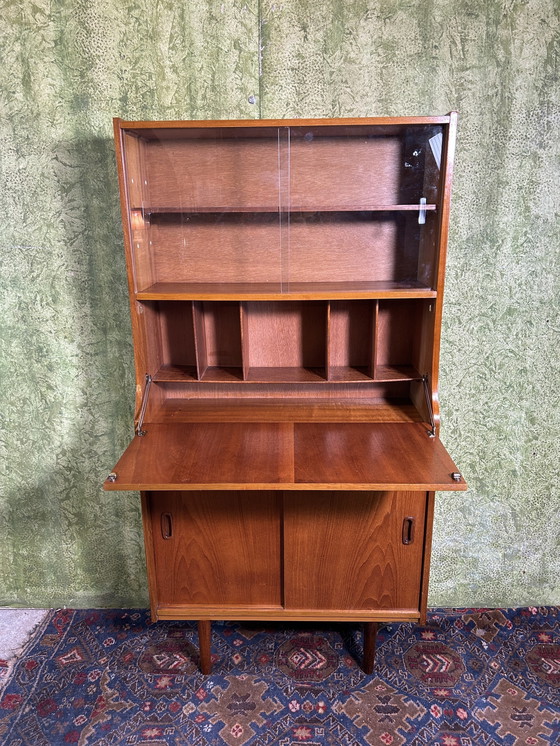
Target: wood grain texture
224 548
351 338
222 334
282 455
378 454
344 550
286 334
428 533
357 170
177 334
378 247
316 409
170 129
208 454
150 555
398 329
244 246
211 172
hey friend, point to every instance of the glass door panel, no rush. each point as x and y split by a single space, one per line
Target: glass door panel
364 205
205 206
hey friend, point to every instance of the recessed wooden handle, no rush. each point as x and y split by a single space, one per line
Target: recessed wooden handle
166 525
408 530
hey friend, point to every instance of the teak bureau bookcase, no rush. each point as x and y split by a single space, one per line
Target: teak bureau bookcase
286 282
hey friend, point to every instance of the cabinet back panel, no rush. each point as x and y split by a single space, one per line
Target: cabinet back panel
398 327
312 247
267 409
323 390
327 172
222 332
287 334
350 333
349 247
216 248
213 173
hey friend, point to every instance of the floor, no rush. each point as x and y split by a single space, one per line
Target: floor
15 627
469 677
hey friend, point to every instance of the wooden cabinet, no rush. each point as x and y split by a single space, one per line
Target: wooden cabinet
286 282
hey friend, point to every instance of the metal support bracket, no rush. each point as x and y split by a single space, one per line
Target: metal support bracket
432 430
146 394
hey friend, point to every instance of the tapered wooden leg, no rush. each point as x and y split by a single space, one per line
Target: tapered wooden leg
204 637
370 636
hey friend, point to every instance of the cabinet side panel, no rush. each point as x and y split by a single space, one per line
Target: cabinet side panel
135 177
345 550
429 523
223 548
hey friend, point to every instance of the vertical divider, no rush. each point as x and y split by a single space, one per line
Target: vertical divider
328 356
244 323
199 339
374 336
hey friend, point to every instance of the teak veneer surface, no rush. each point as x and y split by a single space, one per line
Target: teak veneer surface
247 409
216 543
284 455
343 550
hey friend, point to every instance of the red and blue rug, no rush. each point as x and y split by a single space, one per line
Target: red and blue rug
470 677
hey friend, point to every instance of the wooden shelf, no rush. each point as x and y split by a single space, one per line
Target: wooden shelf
396 373
349 374
176 374
225 374
285 375
284 291
209 209
339 374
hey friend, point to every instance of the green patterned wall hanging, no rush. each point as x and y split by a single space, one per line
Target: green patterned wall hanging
66 365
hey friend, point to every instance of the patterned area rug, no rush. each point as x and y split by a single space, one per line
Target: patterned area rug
470 677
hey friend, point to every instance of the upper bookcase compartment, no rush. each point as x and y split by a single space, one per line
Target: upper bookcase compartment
265 209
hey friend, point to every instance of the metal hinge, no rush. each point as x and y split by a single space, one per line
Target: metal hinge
432 430
146 394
